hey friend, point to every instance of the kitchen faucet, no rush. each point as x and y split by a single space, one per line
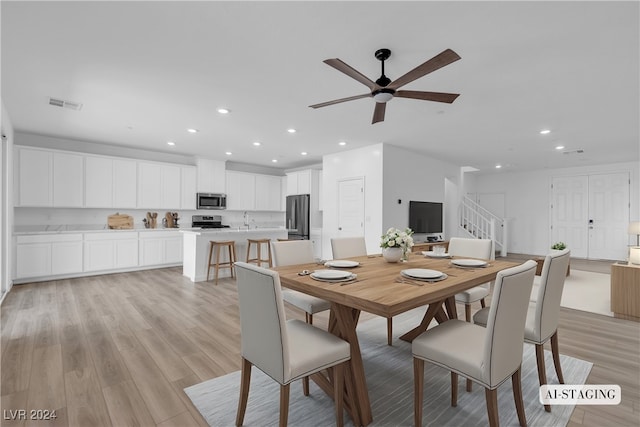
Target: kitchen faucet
245 215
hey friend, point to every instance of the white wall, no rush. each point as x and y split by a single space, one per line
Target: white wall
408 175
6 202
362 162
528 197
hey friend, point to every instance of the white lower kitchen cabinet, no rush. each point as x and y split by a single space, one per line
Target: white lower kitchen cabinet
160 247
110 251
48 255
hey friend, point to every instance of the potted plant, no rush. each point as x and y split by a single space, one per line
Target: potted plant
558 246
396 244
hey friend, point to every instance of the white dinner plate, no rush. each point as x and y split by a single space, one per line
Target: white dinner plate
331 274
421 273
341 263
469 262
432 254
348 278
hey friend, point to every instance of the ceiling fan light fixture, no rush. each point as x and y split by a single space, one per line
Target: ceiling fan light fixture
383 95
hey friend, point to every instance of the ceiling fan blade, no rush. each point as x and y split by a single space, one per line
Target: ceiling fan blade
427 96
444 58
351 72
378 112
337 101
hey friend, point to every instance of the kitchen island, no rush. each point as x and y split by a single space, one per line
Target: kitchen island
196 247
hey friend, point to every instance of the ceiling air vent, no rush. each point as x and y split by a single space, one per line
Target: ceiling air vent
66 104
578 151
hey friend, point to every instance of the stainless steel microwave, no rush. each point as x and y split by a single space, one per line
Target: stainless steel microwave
211 201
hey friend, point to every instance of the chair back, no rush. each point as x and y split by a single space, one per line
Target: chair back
347 247
505 324
263 329
472 248
292 252
554 272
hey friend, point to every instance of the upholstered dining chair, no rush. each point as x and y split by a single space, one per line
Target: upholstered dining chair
347 247
543 312
285 350
472 248
488 356
292 252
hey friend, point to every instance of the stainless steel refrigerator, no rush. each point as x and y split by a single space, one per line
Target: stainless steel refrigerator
298 217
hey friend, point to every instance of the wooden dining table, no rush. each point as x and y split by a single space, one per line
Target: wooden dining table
380 289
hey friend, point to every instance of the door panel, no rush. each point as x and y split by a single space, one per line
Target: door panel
608 215
569 213
351 207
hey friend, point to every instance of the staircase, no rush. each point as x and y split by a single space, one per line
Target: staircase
479 223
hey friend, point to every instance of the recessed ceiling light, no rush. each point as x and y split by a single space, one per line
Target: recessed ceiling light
228 153
559 147
274 160
498 166
192 130
291 130
304 153
257 144
342 143
223 111
544 131
171 143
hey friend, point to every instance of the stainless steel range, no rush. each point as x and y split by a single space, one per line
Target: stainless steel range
207 221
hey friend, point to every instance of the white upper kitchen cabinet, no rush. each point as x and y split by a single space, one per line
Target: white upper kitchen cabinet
50 178
109 182
68 180
159 186
125 179
268 193
189 187
300 182
211 176
34 183
241 191
98 184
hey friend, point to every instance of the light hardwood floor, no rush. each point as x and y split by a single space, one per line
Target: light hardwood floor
119 349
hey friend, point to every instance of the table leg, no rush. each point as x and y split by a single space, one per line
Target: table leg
346 320
450 305
433 309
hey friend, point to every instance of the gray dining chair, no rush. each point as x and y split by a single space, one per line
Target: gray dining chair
292 252
285 350
543 313
487 356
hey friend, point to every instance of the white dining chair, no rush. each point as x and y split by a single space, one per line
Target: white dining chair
543 313
472 248
291 252
488 356
347 247
285 350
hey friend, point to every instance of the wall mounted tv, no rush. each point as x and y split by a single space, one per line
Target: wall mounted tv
425 217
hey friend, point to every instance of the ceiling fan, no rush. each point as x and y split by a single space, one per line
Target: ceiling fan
384 90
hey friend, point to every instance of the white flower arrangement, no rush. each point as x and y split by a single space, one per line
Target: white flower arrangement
395 238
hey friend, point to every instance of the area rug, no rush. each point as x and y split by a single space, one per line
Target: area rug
389 373
588 291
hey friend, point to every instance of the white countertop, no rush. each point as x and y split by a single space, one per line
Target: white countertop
102 228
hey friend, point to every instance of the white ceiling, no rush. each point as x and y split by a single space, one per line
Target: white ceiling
147 71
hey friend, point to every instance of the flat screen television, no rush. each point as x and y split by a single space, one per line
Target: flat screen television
425 217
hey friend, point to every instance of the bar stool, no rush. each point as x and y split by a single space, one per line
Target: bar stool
218 245
258 260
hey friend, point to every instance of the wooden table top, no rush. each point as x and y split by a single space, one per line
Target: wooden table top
376 290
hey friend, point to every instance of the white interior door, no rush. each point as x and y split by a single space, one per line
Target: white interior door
569 213
351 207
608 215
